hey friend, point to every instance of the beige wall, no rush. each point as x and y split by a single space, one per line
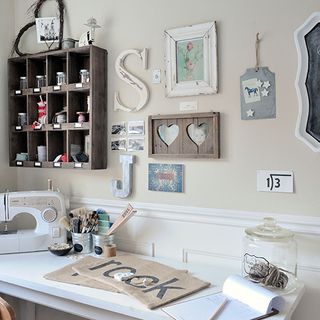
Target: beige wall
230 182
8 177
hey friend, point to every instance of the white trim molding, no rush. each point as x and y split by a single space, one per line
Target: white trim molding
307 225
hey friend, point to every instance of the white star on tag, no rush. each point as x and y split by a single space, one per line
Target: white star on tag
264 93
259 83
266 84
250 113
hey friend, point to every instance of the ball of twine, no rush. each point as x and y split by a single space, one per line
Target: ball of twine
269 275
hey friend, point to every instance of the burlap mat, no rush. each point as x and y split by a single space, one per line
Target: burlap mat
168 284
68 275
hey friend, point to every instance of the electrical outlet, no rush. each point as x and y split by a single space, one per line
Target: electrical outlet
156 76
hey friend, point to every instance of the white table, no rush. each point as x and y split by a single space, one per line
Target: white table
21 276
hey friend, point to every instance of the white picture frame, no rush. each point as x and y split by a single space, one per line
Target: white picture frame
191 73
48 29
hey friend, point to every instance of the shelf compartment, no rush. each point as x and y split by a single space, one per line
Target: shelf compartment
36 139
18 105
77 61
33 107
18 144
78 102
17 68
56 102
36 66
80 138
56 63
57 144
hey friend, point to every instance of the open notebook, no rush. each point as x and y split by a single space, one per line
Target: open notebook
240 299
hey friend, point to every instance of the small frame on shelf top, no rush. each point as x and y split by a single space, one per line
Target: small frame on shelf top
194 135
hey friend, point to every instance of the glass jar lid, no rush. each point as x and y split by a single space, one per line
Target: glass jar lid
269 230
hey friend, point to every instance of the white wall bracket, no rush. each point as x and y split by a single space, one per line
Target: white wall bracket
122 189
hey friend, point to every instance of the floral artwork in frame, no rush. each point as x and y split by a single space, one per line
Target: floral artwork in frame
191 60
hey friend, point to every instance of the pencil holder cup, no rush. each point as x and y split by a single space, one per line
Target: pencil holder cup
99 241
82 242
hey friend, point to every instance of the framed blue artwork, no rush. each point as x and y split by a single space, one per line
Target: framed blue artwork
165 177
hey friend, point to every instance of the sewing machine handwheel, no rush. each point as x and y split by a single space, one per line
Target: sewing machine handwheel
49 214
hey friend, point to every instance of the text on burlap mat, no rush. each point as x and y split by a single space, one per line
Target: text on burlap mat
166 283
68 275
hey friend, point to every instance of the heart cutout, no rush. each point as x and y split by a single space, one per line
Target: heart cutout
36 9
198 134
168 133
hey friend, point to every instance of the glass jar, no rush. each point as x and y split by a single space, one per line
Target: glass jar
61 78
40 81
22 119
270 256
84 76
23 83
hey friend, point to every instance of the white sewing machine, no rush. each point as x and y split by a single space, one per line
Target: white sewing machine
47 207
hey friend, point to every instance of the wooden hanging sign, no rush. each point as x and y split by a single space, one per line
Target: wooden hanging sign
194 135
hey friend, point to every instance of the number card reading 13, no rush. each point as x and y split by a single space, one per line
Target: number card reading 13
275 181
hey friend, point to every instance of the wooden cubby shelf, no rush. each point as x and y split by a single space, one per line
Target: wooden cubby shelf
82 142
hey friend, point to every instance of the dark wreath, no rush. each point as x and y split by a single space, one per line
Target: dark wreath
36 9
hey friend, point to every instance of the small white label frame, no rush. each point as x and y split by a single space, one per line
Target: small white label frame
18 92
78 165
57 165
57 88
275 181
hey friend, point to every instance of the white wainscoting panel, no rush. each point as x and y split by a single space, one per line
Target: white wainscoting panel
212 236
143 248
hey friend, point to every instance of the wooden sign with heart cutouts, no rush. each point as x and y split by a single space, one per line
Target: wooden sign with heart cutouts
193 135
36 10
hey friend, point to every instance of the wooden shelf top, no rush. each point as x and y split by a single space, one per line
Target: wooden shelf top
51 127
85 87
50 164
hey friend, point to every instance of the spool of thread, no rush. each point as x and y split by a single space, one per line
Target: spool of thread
110 250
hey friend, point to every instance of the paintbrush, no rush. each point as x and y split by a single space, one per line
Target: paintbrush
79 212
64 222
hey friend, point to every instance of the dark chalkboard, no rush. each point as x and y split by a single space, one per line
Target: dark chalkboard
313 81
